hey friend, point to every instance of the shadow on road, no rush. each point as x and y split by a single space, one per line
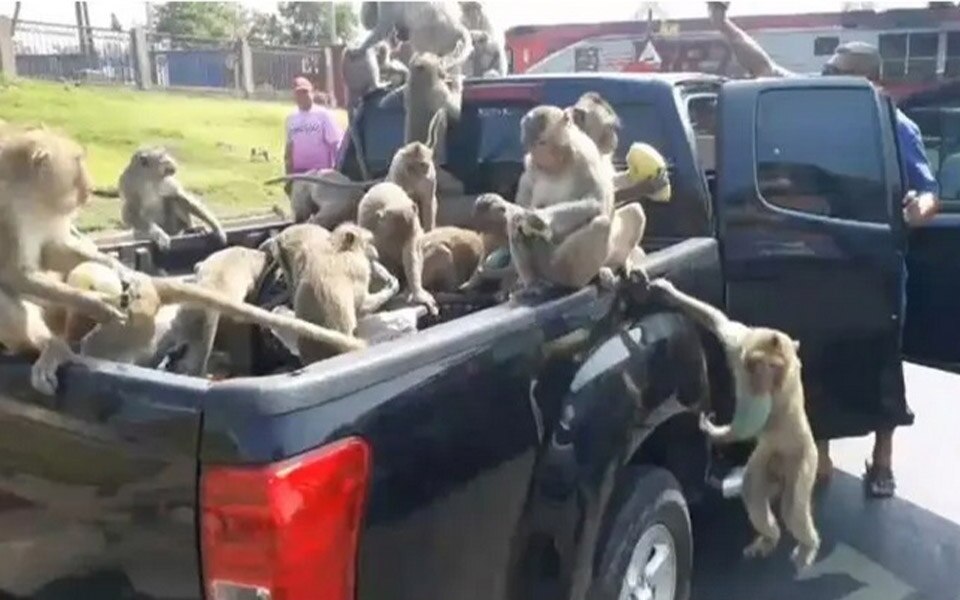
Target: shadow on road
872 550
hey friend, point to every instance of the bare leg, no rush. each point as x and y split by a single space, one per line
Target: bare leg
879 475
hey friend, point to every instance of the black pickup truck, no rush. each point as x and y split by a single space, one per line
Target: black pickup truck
546 450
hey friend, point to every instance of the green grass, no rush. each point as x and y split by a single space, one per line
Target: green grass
210 137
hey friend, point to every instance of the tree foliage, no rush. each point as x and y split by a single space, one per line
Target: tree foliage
198 19
302 24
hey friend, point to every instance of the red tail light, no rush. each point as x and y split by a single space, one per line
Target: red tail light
288 530
497 92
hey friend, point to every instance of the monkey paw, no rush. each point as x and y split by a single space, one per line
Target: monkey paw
803 556
162 240
606 278
761 547
43 375
426 298
531 225
706 425
221 237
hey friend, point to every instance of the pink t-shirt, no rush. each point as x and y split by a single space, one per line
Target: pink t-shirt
315 137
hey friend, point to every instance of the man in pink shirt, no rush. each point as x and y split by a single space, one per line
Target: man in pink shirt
313 136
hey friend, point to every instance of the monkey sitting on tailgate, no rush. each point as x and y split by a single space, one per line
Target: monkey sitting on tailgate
562 238
155 204
330 276
770 407
595 117
43 182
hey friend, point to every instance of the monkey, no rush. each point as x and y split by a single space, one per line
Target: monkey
331 275
489 56
562 237
434 27
393 71
231 271
490 217
44 181
451 256
391 215
412 168
432 102
155 204
146 295
769 406
326 196
596 118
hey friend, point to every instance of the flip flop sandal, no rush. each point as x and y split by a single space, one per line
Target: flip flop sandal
879 481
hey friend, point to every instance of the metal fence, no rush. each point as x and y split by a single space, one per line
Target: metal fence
69 52
178 61
49 51
274 67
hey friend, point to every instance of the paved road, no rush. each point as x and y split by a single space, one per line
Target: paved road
907 548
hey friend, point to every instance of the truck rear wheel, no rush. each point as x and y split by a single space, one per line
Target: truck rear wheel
648 554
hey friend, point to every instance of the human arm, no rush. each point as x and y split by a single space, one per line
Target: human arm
745 49
922 201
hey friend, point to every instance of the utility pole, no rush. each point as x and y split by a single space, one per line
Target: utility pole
332 24
16 16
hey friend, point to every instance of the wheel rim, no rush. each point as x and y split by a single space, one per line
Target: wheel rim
652 572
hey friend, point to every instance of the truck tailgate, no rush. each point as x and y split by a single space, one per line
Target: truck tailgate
98 485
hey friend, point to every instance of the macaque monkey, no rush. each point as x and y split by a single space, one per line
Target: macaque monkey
491 214
489 56
435 27
563 236
392 216
232 272
326 197
155 204
769 406
146 295
430 94
412 168
596 118
330 276
451 256
43 182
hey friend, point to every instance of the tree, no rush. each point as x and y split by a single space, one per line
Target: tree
265 28
198 19
307 23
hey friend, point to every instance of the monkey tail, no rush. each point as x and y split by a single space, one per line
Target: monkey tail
438 124
171 291
106 192
353 185
211 321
